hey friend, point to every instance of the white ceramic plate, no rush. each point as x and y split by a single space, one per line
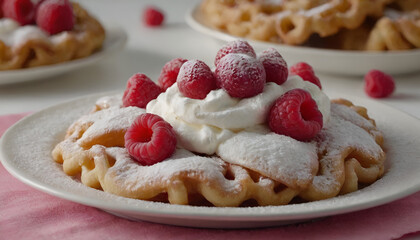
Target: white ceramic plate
115 40
324 60
25 151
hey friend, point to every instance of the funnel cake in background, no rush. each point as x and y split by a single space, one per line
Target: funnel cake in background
343 24
24 45
396 30
287 143
407 5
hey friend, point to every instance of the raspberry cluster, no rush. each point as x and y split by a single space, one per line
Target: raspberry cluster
242 74
239 72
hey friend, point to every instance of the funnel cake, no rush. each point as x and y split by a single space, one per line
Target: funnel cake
252 166
230 145
344 24
326 19
291 22
28 46
395 31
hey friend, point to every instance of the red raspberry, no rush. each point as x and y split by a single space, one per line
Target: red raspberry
22 11
306 72
240 75
195 79
55 16
1 8
150 139
274 65
378 84
238 46
295 114
140 91
170 72
153 17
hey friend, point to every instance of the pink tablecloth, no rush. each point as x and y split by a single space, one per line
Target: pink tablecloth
26 213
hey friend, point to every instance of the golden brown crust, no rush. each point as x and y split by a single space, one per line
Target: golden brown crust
399 32
291 22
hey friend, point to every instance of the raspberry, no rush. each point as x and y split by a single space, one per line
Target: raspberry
150 139
22 11
274 65
55 16
306 72
240 75
140 91
195 79
238 46
170 72
378 84
295 114
1 9
153 17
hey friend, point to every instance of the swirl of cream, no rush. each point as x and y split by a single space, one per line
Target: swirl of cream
202 125
14 35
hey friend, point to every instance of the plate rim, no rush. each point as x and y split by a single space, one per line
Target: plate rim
115 40
148 208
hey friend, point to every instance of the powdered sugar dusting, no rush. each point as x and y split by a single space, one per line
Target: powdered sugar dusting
191 69
108 120
272 56
132 176
338 135
279 157
341 133
109 101
238 46
352 116
239 64
317 10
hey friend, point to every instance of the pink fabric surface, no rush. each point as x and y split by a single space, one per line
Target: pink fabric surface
26 213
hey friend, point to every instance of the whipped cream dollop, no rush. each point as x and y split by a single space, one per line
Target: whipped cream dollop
202 125
12 34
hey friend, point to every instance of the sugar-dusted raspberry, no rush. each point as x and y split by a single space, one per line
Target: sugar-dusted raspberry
240 75
195 79
153 16
170 72
378 84
238 46
55 16
275 67
306 72
140 91
22 11
150 139
295 114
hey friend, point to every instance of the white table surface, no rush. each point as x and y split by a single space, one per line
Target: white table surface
149 48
